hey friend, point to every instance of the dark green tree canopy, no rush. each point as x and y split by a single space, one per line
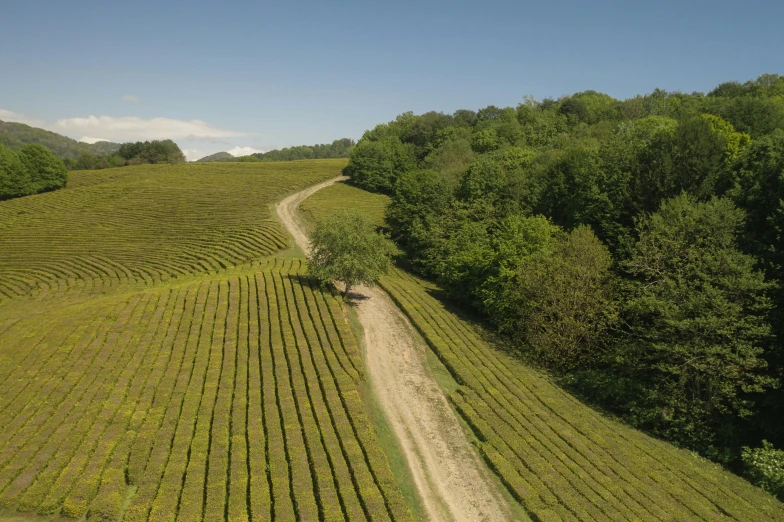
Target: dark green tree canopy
47 171
346 248
600 236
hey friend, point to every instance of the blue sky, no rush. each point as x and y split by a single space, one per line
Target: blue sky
261 75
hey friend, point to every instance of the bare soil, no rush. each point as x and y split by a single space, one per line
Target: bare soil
451 480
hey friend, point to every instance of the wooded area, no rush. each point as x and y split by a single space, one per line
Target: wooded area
632 247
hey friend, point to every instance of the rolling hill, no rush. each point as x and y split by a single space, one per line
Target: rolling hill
557 457
157 364
17 135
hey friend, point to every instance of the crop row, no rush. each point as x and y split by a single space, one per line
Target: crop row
227 398
560 459
145 225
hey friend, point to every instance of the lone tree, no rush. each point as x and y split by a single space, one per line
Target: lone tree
347 248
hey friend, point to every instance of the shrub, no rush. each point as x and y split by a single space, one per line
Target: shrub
46 171
764 467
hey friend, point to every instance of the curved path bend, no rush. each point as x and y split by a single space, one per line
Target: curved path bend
452 482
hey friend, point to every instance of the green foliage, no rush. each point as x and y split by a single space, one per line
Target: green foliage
14 177
471 182
151 152
375 165
337 149
346 248
138 153
17 135
47 171
696 316
589 107
273 429
764 467
118 228
559 299
35 169
559 458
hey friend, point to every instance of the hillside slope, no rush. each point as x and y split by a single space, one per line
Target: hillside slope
218 156
226 395
145 224
559 458
17 135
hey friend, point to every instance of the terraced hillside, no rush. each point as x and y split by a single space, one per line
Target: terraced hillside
560 459
146 224
226 397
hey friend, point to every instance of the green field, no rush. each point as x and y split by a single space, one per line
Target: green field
212 395
146 224
558 458
342 196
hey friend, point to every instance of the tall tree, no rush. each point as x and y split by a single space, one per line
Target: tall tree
347 248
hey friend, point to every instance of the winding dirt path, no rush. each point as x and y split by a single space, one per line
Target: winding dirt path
451 480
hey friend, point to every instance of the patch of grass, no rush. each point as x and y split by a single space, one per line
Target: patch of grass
343 196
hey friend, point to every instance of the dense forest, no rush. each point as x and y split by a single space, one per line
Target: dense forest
17 135
337 149
34 169
138 153
632 247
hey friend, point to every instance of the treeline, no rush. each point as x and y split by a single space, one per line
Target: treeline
32 170
632 247
138 153
337 149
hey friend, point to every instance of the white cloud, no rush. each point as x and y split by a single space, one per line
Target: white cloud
88 139
132 99
194 154
131 128
243 151
196 138
20 118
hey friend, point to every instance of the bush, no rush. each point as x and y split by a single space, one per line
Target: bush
46 171
560 302
764 467
14 178
347 248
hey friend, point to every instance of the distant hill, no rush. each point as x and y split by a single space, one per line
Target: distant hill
17 135
219 156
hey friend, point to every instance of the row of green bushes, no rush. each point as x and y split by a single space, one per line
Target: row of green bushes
559 458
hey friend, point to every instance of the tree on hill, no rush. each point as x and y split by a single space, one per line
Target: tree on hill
697 314
47 171
14 179
138 153
151 152
347 248
337 149
35 169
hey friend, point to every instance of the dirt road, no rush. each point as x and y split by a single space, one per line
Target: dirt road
451 480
